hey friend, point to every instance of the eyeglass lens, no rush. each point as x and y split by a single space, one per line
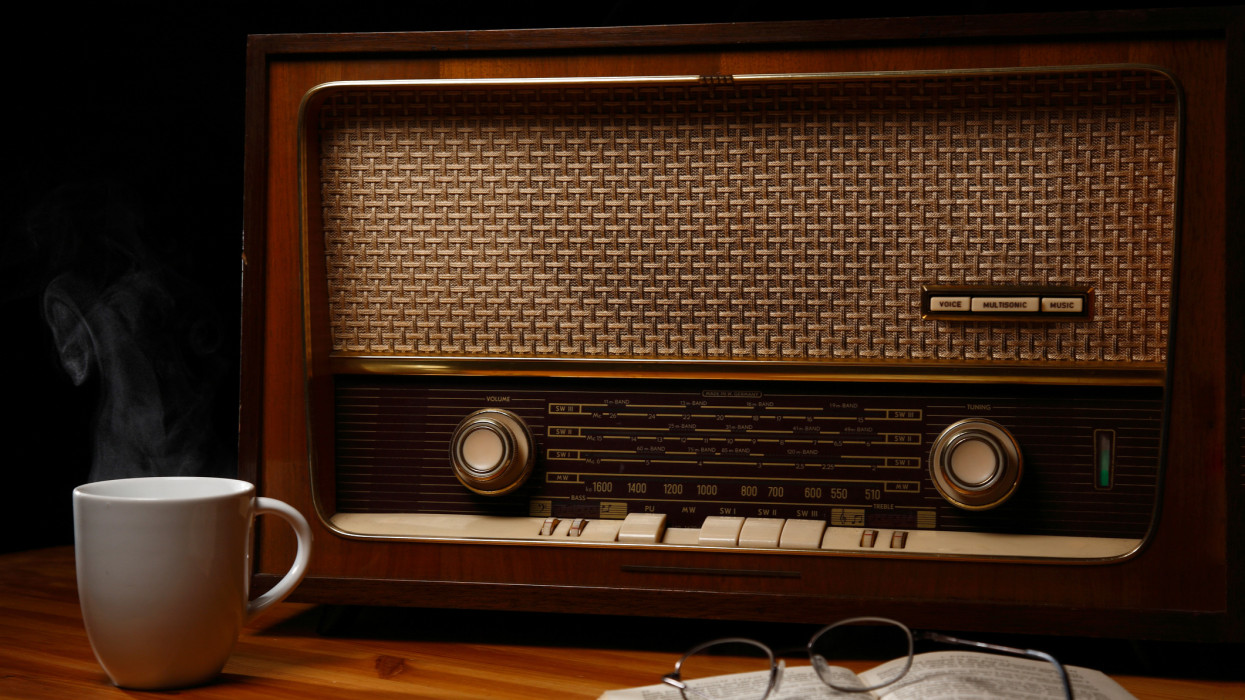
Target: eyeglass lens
861 638
727 657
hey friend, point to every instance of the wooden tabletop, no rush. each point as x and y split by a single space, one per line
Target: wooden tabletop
305 652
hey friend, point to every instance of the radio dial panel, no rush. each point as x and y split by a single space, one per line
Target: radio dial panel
580 462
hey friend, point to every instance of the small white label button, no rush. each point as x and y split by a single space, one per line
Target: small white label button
950 304
1005 305
1062 305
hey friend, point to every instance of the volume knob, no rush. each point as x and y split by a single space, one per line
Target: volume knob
975 464
491 452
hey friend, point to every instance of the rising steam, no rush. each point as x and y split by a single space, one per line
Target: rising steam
119 315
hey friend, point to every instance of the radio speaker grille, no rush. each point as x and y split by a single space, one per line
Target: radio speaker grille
784 219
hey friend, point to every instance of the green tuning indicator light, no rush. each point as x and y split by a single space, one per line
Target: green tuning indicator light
1104 458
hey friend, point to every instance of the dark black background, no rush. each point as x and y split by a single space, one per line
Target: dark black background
129 120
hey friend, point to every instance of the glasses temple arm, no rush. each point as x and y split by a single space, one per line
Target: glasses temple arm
1031 653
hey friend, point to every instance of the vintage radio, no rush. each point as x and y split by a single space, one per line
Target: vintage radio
919 317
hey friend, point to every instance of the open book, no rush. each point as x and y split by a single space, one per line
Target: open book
958 675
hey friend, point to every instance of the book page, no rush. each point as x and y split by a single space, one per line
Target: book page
963 675
798 683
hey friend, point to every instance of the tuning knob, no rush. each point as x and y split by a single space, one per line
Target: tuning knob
975 464
491 452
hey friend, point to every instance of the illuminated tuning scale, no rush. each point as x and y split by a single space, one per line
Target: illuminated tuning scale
759 458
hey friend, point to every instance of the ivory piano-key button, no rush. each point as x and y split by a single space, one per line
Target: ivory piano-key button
600 531
761 532
721 531
642 528
802 534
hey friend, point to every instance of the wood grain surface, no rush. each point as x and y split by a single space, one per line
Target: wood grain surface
307 652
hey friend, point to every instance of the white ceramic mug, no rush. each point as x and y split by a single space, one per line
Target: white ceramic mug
164 568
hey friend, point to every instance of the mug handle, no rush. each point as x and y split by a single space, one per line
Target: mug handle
295 575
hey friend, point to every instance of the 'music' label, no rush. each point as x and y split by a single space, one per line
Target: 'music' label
1062 305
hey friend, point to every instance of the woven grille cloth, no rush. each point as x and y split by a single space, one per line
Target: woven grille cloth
788 219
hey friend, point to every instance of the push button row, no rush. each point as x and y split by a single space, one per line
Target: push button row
967 302
794 534
731 531
1007 305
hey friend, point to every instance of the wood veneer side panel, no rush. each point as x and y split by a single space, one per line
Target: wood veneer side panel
1191 536
1234 309
284 447
317 337
254 197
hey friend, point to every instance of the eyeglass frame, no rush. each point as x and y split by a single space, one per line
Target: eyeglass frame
821 666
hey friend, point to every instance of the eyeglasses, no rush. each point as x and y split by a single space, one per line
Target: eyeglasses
692 672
